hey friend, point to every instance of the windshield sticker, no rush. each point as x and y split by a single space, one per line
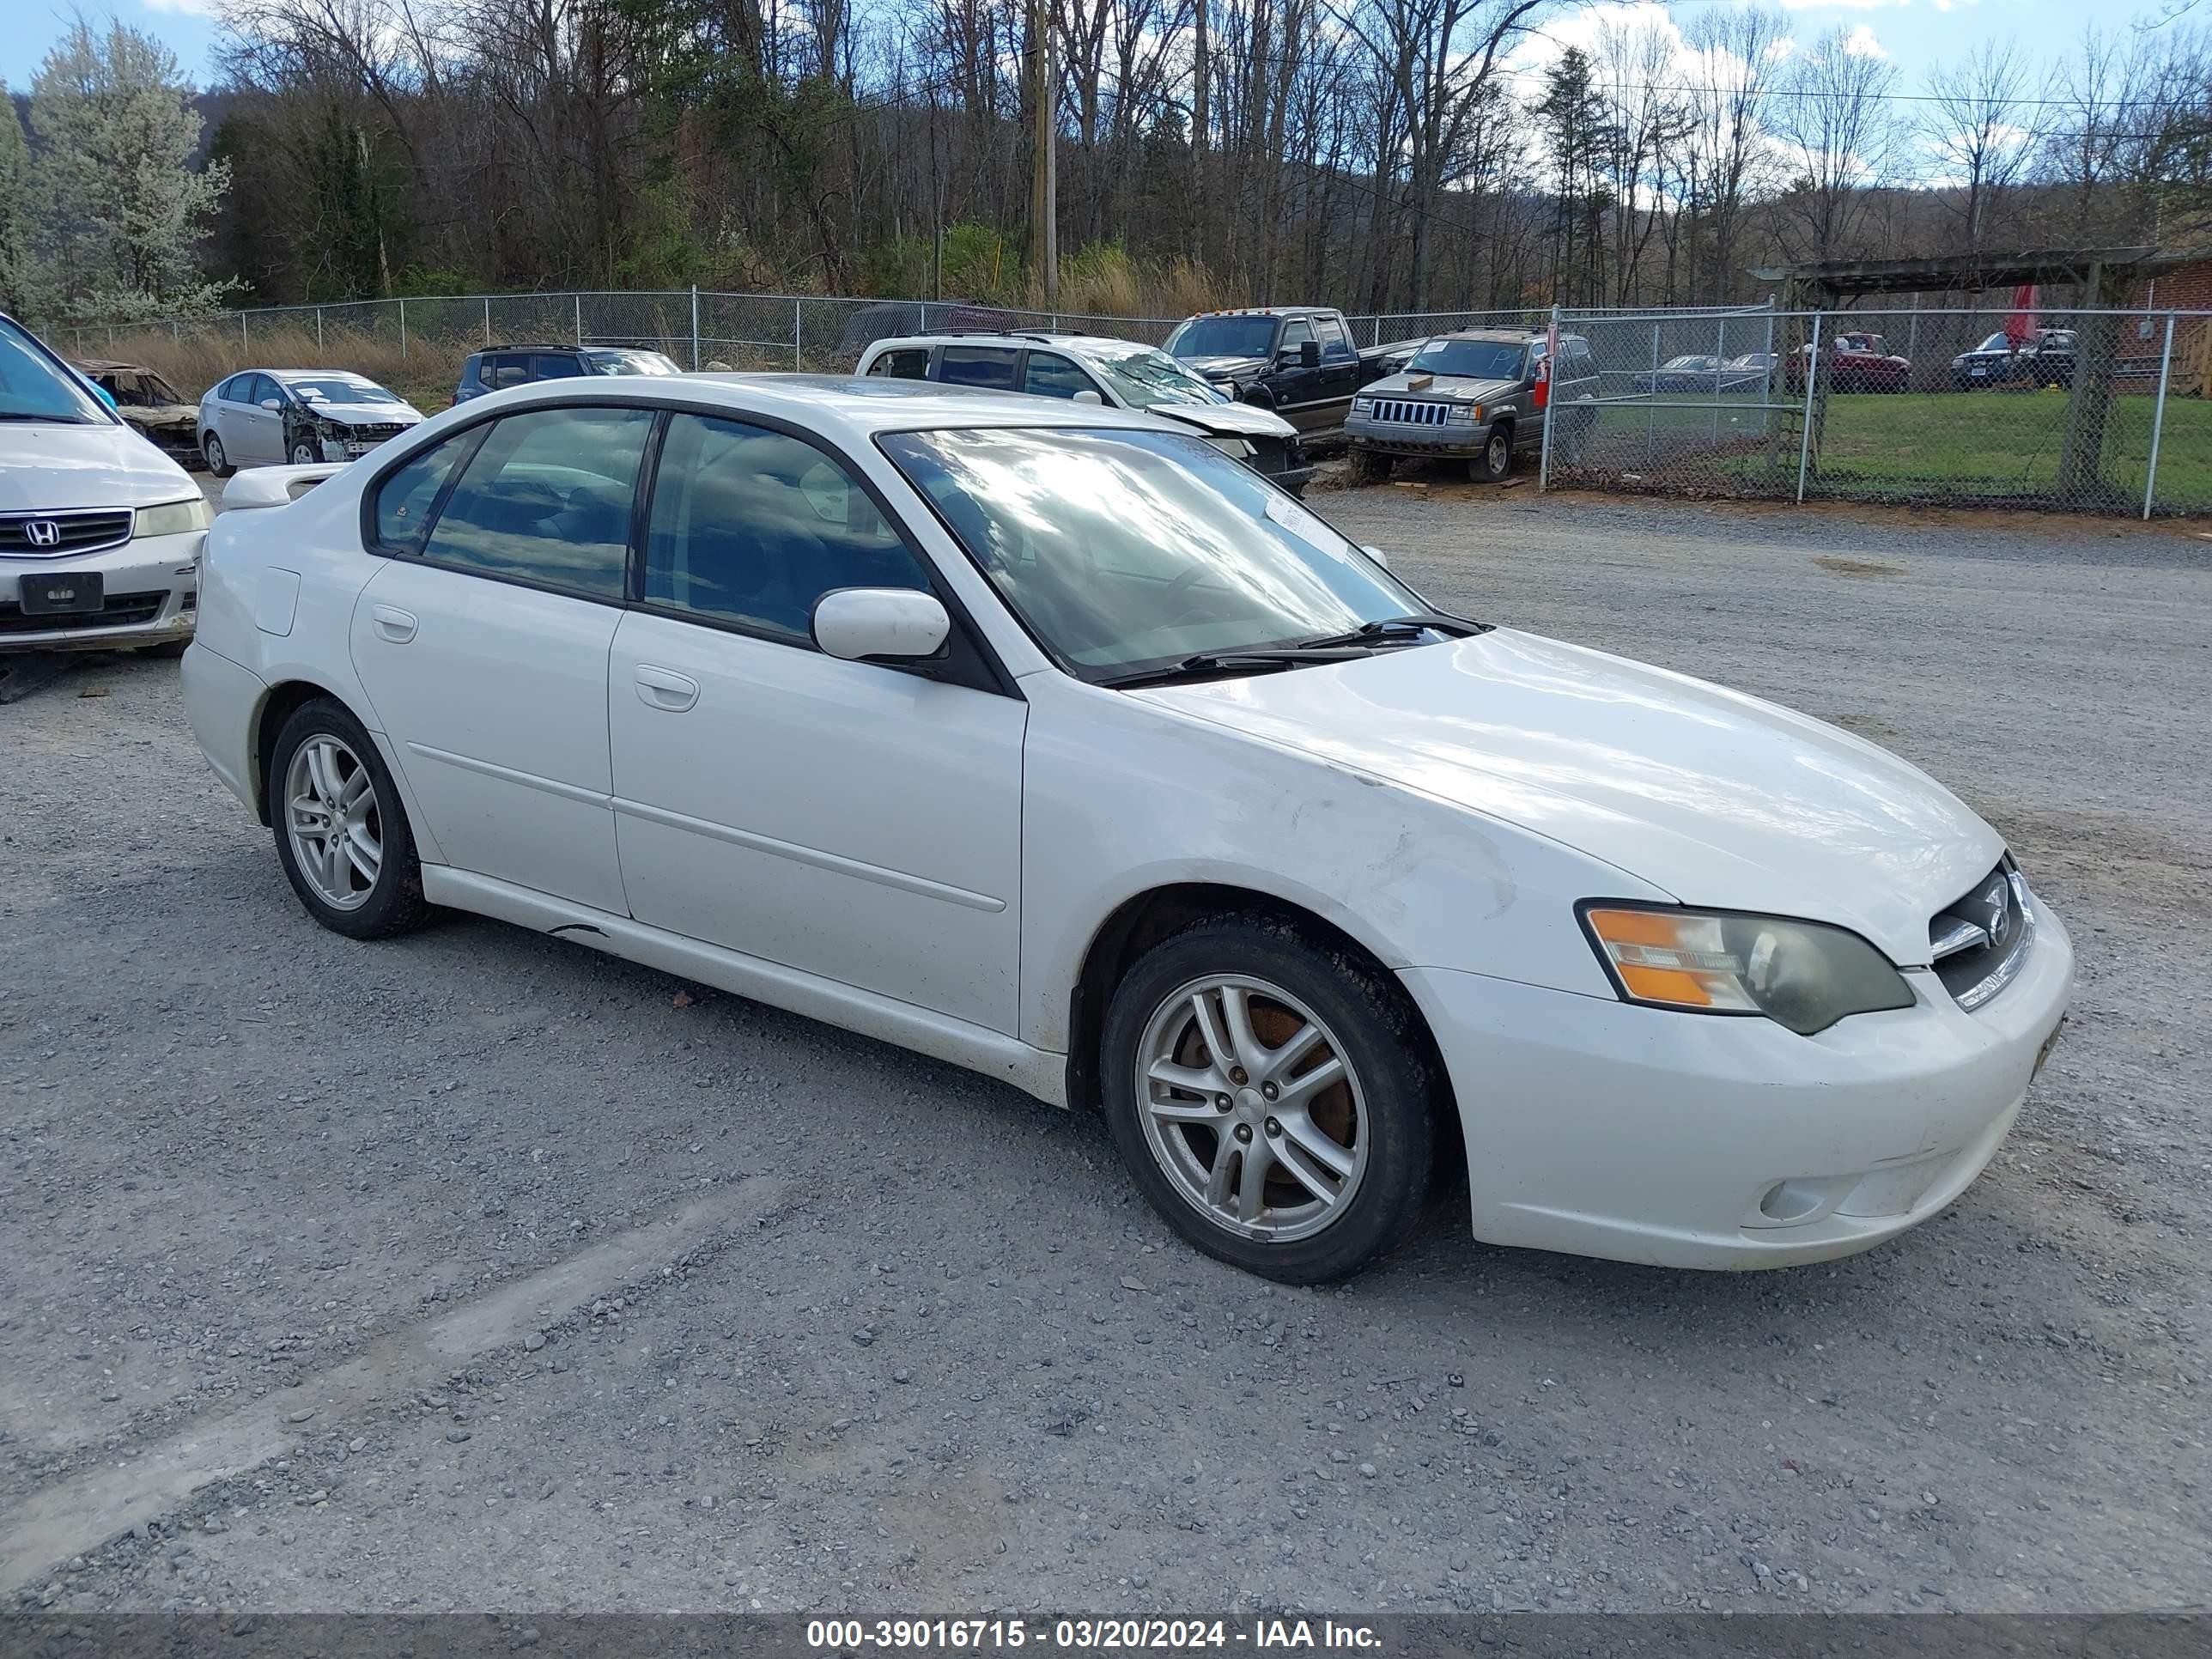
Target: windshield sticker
1303 525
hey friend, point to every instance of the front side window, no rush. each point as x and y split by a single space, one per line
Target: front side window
906 363
1297 335
35 388
1474 360
1129 550
752 527
264 391
1334 346
1049 375
555 366
405 497
977 366
546 500
623 361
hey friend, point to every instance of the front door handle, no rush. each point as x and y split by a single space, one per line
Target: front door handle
393 623
663 688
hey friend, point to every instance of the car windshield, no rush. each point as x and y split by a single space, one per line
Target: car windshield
34 387
1691 362
335 390
1751 359
1995 343
1146 378
1477 359
1126 551
1224 336
631 362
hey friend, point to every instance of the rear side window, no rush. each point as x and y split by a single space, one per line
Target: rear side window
907 363
977 366
504 371
1049 375
405 500
546 500
753 526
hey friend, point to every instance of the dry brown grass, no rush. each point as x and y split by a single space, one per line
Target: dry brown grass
424 374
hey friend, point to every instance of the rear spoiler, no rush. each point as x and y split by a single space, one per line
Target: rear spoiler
277 486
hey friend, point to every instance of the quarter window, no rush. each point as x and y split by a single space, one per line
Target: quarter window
751 526
907 363
977 366
546 500
405 497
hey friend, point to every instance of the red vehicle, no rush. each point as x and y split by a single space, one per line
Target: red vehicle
1853 361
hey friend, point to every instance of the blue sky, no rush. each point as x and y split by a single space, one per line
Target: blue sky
1913 33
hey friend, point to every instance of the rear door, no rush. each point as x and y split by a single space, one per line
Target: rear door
483 644
1296 389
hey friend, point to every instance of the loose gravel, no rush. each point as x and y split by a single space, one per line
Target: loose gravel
955 1364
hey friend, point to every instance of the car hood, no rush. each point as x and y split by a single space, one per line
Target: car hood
1230 420
159 414
1716 797
368 414
1225 369
1454 388
58 467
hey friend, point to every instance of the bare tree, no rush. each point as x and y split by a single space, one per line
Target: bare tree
1981 137
1734 62
1834 116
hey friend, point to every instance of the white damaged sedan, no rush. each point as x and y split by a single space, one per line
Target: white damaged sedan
1050 741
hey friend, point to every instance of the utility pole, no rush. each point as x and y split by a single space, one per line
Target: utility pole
1199 72
1045 181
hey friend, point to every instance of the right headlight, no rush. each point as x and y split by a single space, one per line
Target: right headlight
1362 405
1804 974
171 518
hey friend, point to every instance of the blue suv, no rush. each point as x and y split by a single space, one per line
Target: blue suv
498 367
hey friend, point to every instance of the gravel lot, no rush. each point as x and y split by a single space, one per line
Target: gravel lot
477 1271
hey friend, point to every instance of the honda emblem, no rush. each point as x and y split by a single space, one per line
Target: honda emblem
42 532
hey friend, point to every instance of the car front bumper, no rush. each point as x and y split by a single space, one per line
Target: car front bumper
1597 1128
150 588
1389 438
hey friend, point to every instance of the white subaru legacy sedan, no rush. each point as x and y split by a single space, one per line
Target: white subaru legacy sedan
1051 741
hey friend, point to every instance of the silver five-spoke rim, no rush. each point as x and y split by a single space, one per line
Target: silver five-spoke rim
331 813
1251 1107
1496 461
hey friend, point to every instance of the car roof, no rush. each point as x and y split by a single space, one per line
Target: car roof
851 408
1102 345
108 366
1501 336
291 374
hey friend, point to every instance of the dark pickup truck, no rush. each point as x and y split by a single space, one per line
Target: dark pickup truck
1298 360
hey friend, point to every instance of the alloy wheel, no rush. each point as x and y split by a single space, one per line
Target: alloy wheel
304 454
1499 452
1250 1106
331 816
213 450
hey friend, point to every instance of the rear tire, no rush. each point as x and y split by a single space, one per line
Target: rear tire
1369 467
1300 1184
342 833
1495 464
211 451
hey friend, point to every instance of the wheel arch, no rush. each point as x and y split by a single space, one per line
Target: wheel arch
281 701
1144 919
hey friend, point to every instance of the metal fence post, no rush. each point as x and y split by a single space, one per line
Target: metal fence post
242 343
580 319
1720 363
1650 412
1766 391
1805 428
695 325
1544 453
487 319
2157 418
795 303
318 328
402 330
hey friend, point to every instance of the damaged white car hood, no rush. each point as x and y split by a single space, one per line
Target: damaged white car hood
54 466
1712 796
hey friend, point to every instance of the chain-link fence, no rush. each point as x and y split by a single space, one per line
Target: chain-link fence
2085 411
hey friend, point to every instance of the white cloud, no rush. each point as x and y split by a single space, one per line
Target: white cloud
1849 5
190 8
1860 43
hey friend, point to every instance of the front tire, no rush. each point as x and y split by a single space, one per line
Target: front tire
304 453
1368 467
1495 463
1274 1099
342 835
211 451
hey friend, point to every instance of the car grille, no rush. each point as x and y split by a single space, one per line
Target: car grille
1978 942
120 611
72 533
374 434
1399 412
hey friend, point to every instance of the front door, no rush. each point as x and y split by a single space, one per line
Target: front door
483 641
856 821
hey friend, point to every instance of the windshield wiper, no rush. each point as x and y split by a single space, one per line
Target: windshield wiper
44 420
1391 628
1214 662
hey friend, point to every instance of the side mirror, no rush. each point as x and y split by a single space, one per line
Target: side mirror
880 624
273 404
1376 554
1309 355
1090 398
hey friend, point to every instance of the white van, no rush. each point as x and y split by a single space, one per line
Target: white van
100 531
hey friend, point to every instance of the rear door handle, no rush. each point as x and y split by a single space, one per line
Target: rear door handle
663 688
393 623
